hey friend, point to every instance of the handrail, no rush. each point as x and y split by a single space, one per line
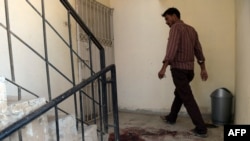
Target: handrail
86 29
53 103
102 54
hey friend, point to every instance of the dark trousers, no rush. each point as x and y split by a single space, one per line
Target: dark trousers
184 95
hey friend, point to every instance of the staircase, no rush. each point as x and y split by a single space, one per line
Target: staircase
58 115
44 127
33 119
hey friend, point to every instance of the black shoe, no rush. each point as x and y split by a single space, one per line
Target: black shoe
198 134
210 125
165 118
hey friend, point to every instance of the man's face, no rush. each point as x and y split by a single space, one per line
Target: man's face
170 19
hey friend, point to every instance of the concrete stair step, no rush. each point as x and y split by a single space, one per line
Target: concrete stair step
68 131
19 109
43 128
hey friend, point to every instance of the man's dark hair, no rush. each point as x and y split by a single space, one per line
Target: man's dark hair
172 11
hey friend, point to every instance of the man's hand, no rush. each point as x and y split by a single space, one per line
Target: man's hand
161 73
204 74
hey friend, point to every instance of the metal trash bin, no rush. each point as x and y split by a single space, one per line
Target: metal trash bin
221 106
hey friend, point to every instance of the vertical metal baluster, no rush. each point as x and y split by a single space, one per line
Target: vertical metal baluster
82 115
100 110
72 66
46 50
9 40
115 104
92 83
57 124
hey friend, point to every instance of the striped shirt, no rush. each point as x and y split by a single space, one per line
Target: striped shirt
183 46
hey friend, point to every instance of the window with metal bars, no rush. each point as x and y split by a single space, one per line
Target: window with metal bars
99 19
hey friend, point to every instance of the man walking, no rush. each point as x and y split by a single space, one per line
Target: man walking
182 49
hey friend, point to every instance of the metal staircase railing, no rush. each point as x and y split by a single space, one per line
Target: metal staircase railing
56 101
77 91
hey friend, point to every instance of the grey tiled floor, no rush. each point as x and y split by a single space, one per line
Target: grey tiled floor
149 127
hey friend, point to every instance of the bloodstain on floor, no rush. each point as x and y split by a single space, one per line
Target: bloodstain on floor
137 134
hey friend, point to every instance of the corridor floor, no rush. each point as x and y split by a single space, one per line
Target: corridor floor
149 127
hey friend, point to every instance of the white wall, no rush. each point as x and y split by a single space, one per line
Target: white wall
140 41
242 115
